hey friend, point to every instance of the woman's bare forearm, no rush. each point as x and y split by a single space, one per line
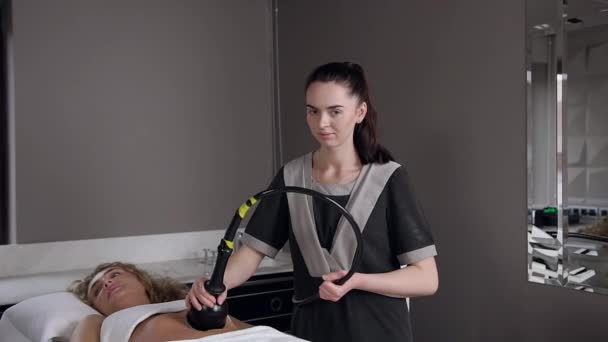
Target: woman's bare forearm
418 279
241 266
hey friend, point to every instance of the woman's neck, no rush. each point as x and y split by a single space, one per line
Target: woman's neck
335 166
340 158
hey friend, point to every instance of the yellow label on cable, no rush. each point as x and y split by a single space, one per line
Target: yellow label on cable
229 243
245 207
243 210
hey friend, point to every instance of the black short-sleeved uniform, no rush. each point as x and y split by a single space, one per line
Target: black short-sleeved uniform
396 230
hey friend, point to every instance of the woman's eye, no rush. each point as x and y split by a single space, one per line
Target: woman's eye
311 111
114 274
336 112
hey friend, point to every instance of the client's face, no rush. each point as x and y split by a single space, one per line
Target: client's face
116 289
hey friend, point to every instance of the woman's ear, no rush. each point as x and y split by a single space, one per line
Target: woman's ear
361 112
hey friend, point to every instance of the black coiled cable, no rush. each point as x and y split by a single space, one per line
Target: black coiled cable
213 318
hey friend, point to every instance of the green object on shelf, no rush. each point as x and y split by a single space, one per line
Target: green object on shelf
550 210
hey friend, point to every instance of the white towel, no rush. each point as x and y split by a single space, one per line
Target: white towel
257 334
119 326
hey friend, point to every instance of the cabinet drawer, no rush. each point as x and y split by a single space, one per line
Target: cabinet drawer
263 300
261 304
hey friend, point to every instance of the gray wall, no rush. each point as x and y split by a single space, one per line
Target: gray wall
449 83
4 184
139 117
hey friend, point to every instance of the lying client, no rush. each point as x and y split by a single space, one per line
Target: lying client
117 286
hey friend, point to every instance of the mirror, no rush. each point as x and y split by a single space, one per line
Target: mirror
134 117
567 143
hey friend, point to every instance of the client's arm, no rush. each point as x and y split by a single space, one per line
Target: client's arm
88 329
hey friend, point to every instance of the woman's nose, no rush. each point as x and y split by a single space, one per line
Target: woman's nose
323 120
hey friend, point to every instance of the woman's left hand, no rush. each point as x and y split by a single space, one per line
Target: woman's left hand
330 291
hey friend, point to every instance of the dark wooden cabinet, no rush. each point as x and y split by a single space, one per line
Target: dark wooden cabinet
264 300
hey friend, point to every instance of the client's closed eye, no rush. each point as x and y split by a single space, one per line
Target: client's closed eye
96 289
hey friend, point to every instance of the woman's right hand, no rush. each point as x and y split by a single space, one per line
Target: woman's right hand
241 265
198 295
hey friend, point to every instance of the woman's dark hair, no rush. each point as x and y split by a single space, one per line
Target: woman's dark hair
353 76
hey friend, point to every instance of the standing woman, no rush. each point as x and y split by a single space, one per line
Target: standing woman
353 169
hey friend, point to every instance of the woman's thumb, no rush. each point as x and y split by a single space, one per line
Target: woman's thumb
334 275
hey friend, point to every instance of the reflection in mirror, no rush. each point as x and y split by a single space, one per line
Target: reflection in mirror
567 120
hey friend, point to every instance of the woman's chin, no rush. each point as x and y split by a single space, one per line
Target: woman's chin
327 144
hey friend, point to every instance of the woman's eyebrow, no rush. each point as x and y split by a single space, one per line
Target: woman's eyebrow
330 107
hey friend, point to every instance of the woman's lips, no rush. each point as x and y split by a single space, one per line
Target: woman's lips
325 135
112 289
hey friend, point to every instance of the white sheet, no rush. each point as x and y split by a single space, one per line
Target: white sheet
259 333
8 332
119 326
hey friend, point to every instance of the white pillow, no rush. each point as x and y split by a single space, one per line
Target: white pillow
46 317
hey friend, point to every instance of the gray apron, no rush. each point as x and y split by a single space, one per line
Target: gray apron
366 190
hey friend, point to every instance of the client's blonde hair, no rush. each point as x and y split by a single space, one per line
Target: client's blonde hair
158 289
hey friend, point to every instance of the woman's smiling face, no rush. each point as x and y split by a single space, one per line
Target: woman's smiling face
115 289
